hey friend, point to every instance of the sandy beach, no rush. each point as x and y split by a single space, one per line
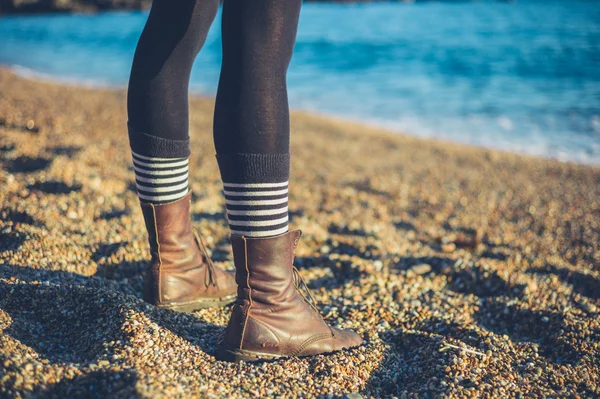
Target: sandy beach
468 272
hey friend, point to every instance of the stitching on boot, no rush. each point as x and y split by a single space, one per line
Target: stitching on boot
159 257
309 341
244 312
249 291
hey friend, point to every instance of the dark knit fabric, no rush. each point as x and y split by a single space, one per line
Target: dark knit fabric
251 111
157 98
254 168
153 146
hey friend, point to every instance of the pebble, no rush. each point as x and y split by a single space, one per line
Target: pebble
450 247
422 268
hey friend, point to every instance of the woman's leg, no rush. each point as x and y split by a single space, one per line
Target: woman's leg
274 315
251 126
181 276
157 102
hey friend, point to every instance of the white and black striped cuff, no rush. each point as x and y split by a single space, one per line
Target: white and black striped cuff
160 180
257 209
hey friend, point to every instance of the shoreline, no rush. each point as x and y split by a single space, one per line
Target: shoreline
40 77
75 7
467 271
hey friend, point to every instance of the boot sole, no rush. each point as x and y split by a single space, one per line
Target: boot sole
204 303
229 354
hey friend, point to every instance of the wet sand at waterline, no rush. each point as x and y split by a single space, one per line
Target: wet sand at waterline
468 272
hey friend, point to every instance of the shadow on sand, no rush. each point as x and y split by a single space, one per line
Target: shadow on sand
70 319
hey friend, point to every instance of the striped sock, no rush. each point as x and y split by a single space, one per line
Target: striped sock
256 193
257 209
160 180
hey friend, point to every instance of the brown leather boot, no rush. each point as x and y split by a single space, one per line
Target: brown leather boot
273 318
182 276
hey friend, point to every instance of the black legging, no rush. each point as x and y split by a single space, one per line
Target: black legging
251 112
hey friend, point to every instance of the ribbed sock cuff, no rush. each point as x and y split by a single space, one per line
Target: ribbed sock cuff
254 168
157 147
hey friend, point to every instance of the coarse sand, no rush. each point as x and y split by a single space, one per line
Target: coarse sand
468 272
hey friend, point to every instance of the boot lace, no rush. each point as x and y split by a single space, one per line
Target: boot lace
210 269
304 291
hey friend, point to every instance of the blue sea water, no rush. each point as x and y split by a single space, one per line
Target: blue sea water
522 77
